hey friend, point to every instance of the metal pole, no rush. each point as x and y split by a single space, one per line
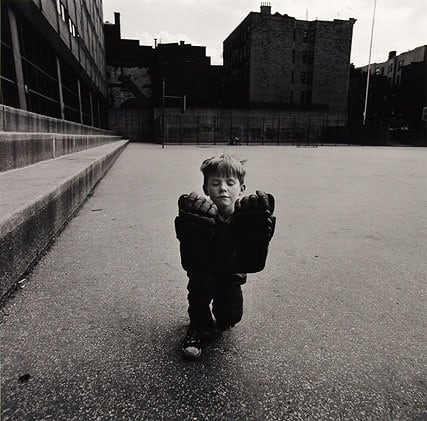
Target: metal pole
295 129
16 50
91 107
180 129
163 112
80 100
61 97
197 129
248 131
369 65
263 130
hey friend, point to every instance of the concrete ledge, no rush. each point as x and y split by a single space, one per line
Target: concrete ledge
19 149
16 120
36 202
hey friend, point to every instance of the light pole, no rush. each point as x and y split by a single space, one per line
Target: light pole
369 65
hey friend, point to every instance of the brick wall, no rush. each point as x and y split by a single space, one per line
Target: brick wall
271 58
289 61
331 63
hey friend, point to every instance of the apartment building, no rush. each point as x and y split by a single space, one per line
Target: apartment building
277 59
53 59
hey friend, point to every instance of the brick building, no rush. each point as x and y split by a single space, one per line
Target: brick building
186 70
397 89
278 60
53 59
137 73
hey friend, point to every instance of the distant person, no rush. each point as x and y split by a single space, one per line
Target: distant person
222 238
234 141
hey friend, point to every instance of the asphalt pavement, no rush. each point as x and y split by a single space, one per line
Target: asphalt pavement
334 328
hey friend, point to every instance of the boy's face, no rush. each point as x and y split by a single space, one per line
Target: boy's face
224 191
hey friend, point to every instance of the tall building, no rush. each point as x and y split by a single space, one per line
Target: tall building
139 75
185 69
53 59
129 69
397 89
129 73
277 59
395 65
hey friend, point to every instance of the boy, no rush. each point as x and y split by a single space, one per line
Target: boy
221 239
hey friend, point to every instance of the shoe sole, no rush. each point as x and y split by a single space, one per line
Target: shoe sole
191 357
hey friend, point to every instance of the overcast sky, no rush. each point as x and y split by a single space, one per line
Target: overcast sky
399 25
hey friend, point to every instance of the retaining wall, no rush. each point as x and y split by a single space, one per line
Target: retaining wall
16 120
19 149
38 200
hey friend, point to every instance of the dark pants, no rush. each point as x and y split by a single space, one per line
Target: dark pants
223 291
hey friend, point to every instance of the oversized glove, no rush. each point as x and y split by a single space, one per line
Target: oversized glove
252 226
194 228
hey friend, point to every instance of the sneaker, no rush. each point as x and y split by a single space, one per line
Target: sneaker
223 327
192 344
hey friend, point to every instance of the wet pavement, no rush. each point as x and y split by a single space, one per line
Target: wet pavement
334 327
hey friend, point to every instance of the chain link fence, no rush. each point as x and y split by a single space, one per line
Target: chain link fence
184 129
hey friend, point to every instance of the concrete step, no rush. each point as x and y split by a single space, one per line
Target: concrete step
36 201
19 149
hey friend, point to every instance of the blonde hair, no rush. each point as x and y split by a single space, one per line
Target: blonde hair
224 165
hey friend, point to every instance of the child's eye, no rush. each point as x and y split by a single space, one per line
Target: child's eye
231 182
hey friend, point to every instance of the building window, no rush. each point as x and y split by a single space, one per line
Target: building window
310 78
400 64
312 36
303 77
304 56
58 6
305 36
62 12
311 57
302 97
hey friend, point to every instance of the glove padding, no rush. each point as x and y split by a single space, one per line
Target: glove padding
194 228
253 227
194 204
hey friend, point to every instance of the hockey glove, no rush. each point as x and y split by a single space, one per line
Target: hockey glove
252 226
194 228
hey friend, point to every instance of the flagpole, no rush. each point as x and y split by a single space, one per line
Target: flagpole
369 65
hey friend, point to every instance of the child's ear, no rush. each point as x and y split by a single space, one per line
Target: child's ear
242 188
205 190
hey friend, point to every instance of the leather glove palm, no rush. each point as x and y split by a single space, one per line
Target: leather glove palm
252 226
194 228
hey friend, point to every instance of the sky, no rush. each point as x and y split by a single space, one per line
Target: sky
399 25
